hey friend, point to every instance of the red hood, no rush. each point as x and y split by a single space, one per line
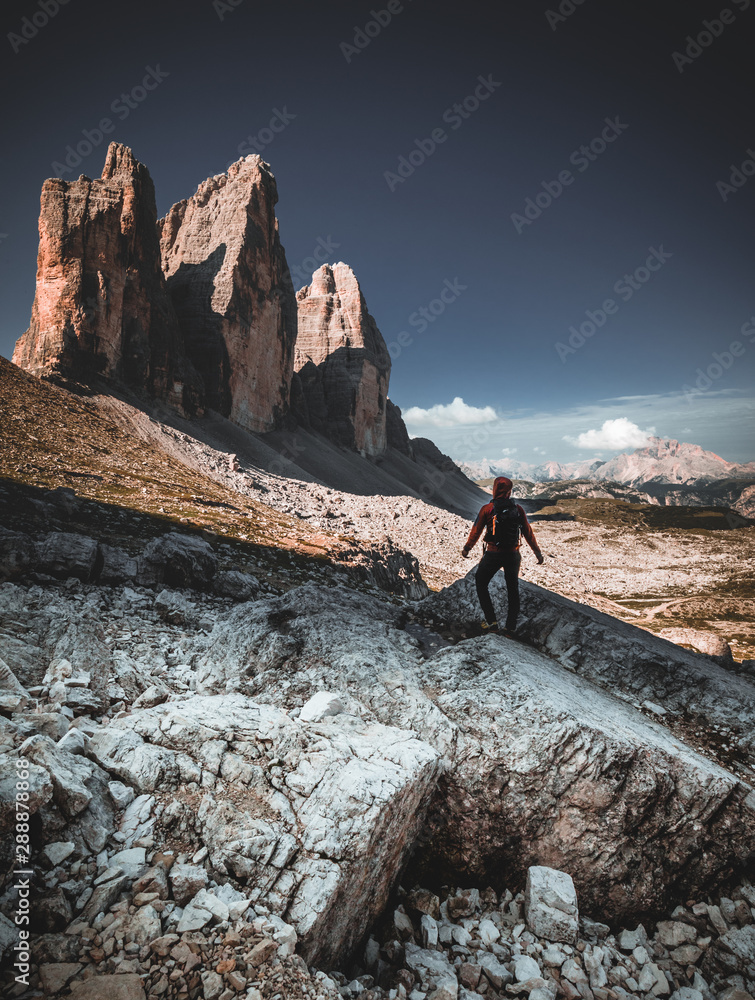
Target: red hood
502 488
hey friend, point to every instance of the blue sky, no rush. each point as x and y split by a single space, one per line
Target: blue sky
416 159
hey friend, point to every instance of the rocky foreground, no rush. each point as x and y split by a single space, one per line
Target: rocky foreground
225 791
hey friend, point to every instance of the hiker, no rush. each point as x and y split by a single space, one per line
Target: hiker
504 521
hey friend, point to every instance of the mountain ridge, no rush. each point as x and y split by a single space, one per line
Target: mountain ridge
662 460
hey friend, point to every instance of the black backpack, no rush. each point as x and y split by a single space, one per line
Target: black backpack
507 524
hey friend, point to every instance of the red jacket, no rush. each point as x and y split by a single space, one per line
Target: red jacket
485 520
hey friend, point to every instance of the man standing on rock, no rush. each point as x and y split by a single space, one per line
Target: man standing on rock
505 522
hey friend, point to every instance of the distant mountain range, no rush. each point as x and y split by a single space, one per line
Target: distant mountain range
661 461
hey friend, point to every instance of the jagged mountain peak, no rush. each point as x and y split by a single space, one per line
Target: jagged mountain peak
121 162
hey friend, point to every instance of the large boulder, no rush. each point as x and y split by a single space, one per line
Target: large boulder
550 904
542 767
619 657
385 565
314 818
66 553
342 361
101 306
178 561
81 810
230 284
126 986
18 554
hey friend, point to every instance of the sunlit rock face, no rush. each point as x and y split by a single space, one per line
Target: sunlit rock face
229 281
342 361
101 306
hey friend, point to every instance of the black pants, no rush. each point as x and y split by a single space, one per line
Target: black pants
490 563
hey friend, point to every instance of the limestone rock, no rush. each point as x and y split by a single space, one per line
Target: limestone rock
314 818
40 789
179 561
18 554
104 896
525 968
127 986
342 361
550 904
710 643
101 306
52 911
117 565
617 656
186 881
54 976
397 436
80 806
228 279
66 554
591 786
320 706
236 585
57 853
385 565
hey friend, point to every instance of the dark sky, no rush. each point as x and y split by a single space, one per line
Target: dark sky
514 294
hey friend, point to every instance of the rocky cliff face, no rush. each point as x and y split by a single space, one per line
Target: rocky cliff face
101 306
228 278
397 435
342 361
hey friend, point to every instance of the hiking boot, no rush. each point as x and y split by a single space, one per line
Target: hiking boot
488 627
510 633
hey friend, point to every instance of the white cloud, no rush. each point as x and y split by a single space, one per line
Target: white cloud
720 421
509 451
613 435
539 451
455 414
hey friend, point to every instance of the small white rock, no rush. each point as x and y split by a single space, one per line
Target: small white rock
320 706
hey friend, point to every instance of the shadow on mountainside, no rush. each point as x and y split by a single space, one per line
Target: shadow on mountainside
35 520
191 290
